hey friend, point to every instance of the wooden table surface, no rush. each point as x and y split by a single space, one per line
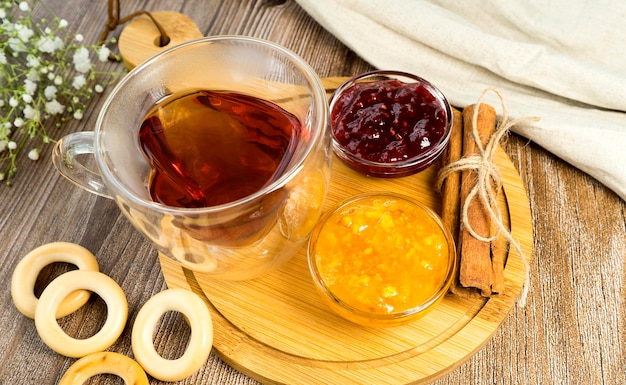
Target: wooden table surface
572 330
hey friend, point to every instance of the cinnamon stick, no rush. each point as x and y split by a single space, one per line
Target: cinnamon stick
451 190
451 198
499 252
476 268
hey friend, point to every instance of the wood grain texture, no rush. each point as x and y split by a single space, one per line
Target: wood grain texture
572 330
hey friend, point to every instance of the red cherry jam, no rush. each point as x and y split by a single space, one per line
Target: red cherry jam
389 127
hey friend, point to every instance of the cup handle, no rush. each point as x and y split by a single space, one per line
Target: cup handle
65 159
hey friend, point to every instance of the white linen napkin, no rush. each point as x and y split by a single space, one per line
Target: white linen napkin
563 61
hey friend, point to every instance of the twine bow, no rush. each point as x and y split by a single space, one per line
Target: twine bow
488 181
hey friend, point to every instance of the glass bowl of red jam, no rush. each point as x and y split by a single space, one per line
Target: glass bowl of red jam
381 259
389 123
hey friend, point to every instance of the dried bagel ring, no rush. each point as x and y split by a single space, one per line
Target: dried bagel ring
200 342
104 363
52 334
28 269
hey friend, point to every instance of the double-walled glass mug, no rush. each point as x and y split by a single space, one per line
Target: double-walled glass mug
235 240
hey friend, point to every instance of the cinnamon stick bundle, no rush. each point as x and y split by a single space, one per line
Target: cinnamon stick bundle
480 266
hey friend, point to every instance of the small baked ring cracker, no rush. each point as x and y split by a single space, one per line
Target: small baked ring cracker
105 363
197 315
28 269
56 338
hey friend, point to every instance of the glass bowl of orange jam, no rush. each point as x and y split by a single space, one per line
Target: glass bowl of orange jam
381 259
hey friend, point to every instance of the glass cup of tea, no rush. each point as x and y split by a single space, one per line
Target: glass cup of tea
217 150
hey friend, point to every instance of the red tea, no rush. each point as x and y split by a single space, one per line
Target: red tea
208 148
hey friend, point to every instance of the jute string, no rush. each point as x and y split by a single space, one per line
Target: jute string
488 181
114 19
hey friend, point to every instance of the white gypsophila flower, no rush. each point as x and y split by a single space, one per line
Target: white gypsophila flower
58 80
53 107
81 60
12 145
8 25
33 75
78 114
3 13
32 61
16 45
3 145
33 154
31 113
13 101
2 103
18 122
23 32
98 88
50 92
79 37
49 44
24 6
103 53
30 87
79 81
3 58
58 44
62 23
27 98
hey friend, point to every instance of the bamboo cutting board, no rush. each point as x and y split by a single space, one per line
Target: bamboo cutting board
277 330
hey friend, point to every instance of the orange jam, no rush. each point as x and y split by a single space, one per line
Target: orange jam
383 254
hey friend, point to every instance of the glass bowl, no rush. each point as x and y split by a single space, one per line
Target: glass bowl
389 123
381 259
